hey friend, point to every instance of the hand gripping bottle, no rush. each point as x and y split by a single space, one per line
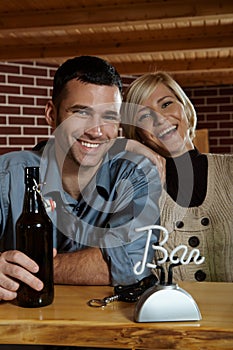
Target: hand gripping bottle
34 237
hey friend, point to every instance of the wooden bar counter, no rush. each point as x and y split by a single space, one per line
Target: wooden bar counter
70 321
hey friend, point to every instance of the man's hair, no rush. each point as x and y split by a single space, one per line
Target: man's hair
87 69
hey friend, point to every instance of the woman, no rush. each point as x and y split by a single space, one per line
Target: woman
197 202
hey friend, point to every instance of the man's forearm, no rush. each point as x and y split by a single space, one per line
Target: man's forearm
84 267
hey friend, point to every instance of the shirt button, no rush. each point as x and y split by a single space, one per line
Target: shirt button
194 241
205 221
200 275
179 224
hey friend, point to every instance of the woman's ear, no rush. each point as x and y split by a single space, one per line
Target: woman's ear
50 114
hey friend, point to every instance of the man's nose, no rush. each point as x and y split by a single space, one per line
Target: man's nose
95 130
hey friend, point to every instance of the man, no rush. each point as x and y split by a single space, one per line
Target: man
102 192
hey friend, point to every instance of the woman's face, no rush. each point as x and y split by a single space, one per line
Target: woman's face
162 124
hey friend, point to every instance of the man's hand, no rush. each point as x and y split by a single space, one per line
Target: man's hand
16 267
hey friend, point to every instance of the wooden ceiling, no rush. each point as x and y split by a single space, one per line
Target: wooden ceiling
193 40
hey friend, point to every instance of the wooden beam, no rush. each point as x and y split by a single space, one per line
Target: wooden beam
204 78
127 13
175 65
111 48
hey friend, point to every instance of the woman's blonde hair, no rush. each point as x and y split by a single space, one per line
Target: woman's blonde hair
141 89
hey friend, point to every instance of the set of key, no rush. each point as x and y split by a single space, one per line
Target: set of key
128 294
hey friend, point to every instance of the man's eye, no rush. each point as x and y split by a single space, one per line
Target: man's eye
111 118
81 112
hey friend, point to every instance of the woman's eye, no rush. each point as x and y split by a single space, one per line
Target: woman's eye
166 104
144 117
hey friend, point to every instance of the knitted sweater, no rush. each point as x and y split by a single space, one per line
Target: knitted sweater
208 227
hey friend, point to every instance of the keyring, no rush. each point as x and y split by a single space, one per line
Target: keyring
97 302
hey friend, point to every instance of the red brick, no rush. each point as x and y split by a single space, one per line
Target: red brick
206 109
213 142
197 101
21 141
44 82
219 133
21 120
4 150
19 79
41 121
10 130
6 89
207 125
2 78
9 69
2 140
226 91
218 100
225 108
20 100
34 91
226 141
2 120
33 110
220 116
9 110
226 125
35 131
34 71
42 101
205 92
52 73
201 117
2 99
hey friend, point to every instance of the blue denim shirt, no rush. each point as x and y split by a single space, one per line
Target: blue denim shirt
122 196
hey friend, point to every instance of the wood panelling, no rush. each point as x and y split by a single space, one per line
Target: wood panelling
190 39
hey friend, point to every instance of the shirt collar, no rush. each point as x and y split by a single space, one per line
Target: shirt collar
51 178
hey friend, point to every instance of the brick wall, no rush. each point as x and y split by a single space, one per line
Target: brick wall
26 87
24 91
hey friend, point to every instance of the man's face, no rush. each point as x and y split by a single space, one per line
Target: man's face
87 121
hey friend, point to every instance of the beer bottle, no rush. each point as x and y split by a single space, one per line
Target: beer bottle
34 237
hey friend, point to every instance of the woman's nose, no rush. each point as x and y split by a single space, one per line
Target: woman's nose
158 119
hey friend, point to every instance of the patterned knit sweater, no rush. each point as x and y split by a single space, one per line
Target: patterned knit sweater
208 227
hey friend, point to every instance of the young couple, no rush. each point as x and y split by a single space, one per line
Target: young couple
105 187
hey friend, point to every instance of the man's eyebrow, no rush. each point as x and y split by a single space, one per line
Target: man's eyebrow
110 111
77 107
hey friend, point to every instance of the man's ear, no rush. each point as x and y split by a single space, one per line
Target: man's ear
50 114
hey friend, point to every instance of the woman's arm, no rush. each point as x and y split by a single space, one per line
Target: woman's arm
137 147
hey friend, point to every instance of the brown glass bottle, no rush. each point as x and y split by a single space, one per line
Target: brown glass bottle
34 237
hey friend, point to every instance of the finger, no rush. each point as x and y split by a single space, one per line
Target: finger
8 283
17 265
7 294
54 252
17 257
22 275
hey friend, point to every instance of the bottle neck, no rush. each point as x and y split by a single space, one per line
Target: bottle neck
32 200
